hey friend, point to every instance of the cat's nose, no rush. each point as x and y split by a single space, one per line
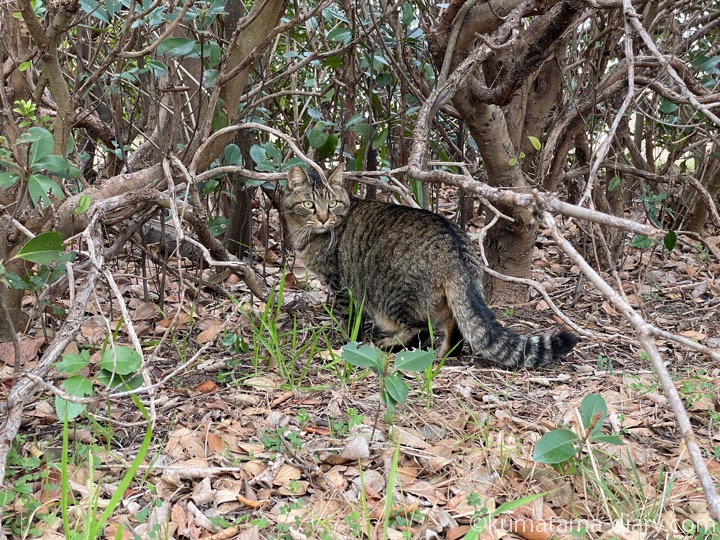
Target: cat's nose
322 217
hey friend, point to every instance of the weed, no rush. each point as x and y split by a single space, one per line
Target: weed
393 389
234 343
605 364
619 488
26 471
272 440
352 520
302 417
290 350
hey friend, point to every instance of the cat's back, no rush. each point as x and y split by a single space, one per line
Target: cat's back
373 223
389 243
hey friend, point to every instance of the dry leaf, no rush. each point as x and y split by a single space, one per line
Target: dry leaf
29 348
145 312
285 474
356 447
179 518
215 443
209 335
408 437
206 387
692 334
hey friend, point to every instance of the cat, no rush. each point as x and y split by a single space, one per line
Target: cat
408 266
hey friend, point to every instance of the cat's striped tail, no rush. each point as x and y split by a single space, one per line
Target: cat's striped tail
495 343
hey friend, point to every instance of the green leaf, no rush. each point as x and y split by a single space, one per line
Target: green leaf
356 119
362 129
312 112
670 240
317 136
557 446
11 280
614 183
257 153
124 382
380 138
42 145
83 204
668 107
77 386
54 165
176 46
512 162
591 405
72 363
609 439
220 118
641 241
339 33
333 62
414 361
396 388
41 187
329 148
46 248
8 179
158 68
218 225
57 165
364 356
408 15
537 145
121 360
63 406
232 154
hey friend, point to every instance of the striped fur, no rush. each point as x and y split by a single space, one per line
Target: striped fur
411 266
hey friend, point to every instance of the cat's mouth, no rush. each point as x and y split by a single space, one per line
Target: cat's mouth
319 228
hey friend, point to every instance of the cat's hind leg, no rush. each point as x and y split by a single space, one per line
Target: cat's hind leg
401 336
452 341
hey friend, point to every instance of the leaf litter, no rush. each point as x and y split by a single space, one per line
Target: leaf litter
243 450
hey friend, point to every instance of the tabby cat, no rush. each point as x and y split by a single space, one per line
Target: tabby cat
410 266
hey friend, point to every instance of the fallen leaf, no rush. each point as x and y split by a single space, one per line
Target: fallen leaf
206 387
29 348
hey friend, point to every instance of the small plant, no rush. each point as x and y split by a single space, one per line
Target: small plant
605 364
272 440
25 471
302 417
290 350
40 160
354 418
393 388
234 343
562 448
28 110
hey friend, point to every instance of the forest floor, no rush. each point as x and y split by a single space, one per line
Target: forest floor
270 434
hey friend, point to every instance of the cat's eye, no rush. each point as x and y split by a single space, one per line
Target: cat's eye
309 204
332 204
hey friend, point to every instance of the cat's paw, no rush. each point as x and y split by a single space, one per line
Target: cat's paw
388 343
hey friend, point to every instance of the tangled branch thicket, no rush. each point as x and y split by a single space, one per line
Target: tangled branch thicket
175 123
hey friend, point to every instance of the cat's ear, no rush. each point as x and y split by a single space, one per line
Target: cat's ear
336 177
296 177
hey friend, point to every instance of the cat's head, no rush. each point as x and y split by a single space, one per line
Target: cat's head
313 206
